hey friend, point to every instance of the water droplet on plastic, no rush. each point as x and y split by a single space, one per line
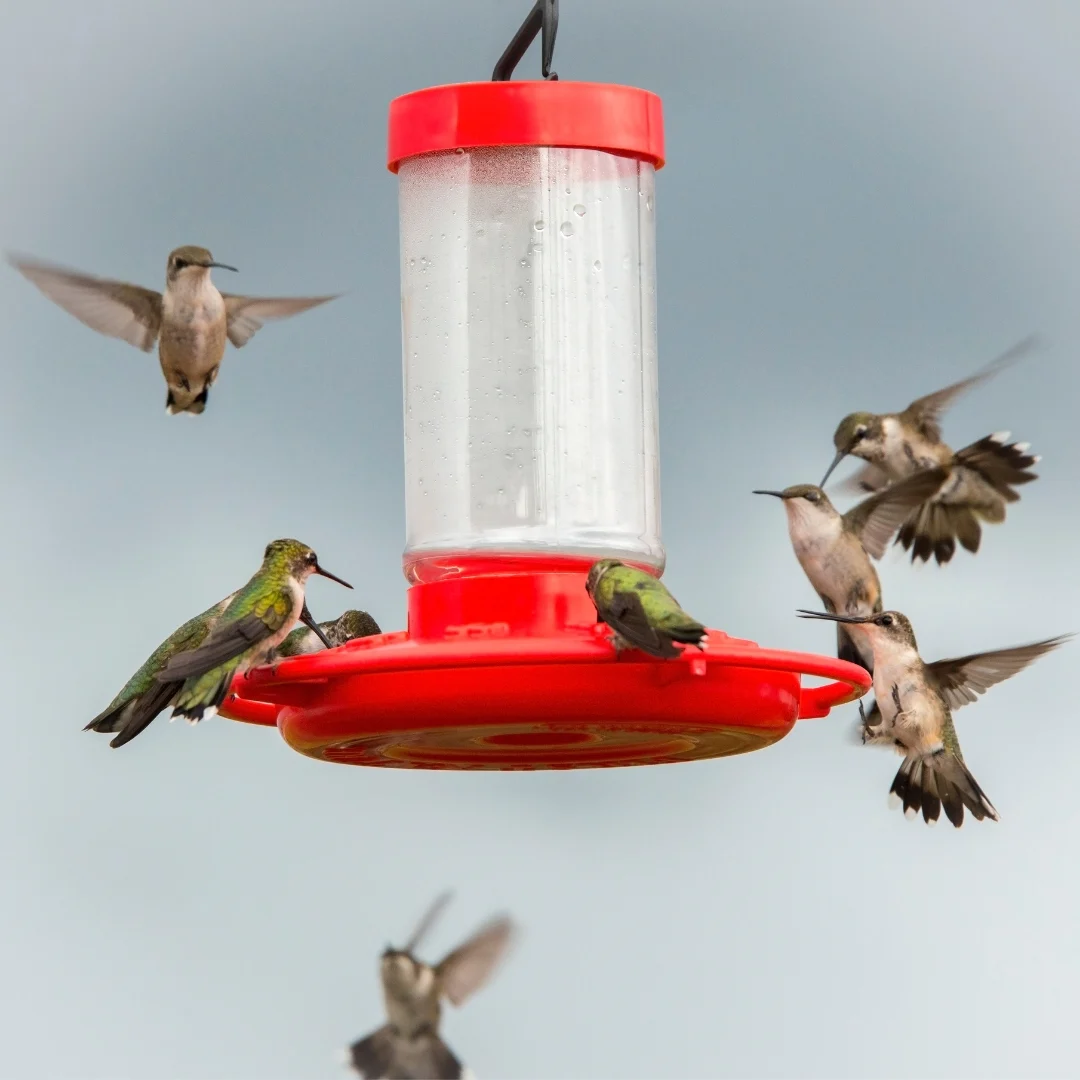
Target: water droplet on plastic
579 210
538 225
566 229
524 262
648 202
596 265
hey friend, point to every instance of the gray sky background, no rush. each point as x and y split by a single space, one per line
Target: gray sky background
863 202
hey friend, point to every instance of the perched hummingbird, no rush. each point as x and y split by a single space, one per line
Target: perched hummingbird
638 607
143 697
834 549
916 717
190 320
979 479
255 622
409 1044
352 624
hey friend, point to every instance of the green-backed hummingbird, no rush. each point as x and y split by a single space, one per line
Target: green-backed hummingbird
190 320
834 549
912 712
409 1044
979 479
641 611
256 621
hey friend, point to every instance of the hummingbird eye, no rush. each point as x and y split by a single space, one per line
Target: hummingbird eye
179 264
813 496
885 620
312 558
860 432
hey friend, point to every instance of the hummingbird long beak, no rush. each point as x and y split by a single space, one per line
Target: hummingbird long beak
221 266
778 494
840 455
804 614
333 577
429 918
307 620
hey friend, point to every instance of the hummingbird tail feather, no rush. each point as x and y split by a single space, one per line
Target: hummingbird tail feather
199 699
980 484
134 716
926 783
689 634
386 1053
186 403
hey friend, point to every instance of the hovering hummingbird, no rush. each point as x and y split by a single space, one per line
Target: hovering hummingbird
409 1044
638 607
351 624
834 549
916 717
190 320
255 622
143 697
979 479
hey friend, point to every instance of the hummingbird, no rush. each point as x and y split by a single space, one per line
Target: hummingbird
189 321
916 717
409 1045
641 611
835 549
143 697
351 624
979 479
256 620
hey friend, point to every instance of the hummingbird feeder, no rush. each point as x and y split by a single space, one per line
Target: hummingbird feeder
528 310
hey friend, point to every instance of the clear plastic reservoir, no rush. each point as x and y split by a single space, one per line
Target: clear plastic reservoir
529 345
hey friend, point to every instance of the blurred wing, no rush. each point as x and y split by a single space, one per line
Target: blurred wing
963 679
246 314
115 308
875 520
925 412
225 643
868 478
469 966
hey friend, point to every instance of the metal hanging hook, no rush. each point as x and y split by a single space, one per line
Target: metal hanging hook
544 20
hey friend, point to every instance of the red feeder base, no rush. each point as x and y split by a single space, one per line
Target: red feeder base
511 671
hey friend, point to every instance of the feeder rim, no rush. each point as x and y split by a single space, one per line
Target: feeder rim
623 120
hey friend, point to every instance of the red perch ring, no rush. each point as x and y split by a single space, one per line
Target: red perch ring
512 672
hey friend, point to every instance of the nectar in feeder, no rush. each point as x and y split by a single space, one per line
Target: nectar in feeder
528 309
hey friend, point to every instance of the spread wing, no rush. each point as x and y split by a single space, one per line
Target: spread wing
875 520
246 314
128 312
231 638
925 412
963 679
868 478
470 965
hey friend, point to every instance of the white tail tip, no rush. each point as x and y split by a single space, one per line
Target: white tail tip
894 800
1036 459
1022 447
1000 436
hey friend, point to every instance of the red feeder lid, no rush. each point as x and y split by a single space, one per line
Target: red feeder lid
594 116
512 672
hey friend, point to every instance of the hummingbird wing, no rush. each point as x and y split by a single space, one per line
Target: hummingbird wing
876 520
925 413
246 314
868 478
462 972
963 679
625 614
230 639
114 308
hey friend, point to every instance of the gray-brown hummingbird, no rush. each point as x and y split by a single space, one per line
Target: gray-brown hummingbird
190 320
914 702
348 625
979 479
409 1045
834 549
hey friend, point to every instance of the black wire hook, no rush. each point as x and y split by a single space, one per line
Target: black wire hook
544 20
